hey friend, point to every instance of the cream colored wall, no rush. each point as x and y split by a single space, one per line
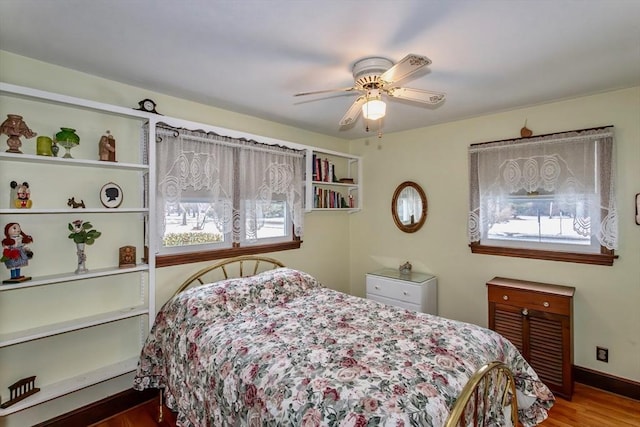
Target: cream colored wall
325 249
607 298
339 248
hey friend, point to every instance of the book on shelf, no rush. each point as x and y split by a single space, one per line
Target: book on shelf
325 198
323 170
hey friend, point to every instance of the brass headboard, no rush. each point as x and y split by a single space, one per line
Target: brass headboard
242 266
488 387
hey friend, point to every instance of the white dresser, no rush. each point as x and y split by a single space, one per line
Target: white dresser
415 291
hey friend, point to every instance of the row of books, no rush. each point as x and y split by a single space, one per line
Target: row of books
325 198
323 170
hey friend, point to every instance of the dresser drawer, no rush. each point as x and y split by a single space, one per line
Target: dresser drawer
398 290
394 302
527 299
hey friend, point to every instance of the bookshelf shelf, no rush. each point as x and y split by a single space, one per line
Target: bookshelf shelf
334 181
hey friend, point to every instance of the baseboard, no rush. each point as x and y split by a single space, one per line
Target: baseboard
606 382
101 409
122 401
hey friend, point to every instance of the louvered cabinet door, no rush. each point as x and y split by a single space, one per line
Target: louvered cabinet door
537 319
507 321
548 338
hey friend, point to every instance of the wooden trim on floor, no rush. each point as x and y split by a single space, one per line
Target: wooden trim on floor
102 409
606 382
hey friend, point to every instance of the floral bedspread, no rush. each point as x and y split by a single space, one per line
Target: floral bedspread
279 349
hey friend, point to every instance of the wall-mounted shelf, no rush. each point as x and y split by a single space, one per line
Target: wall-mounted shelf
75 311
68 211
69 385
60 161
52 329
325 191
72 277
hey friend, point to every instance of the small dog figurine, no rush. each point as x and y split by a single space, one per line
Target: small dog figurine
72 202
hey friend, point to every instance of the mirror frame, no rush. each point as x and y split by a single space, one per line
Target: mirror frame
394 207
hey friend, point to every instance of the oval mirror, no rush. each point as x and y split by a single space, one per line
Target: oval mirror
409 207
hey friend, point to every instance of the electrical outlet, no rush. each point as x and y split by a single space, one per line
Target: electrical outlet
602 354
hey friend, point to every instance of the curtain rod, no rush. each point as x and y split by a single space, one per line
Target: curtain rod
540 136
228 141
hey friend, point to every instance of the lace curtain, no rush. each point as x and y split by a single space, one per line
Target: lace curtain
575 167
237 176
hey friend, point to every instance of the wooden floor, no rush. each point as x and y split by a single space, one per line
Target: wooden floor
589 407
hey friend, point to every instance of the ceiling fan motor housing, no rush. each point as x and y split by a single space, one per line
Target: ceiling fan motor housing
367 72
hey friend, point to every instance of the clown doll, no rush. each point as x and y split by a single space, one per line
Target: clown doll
14 252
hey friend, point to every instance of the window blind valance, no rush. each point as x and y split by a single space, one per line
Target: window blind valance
224 171
575 169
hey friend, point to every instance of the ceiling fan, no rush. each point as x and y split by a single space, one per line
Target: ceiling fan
377 76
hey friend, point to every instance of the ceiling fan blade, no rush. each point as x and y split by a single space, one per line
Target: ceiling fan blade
353 112
404 68
346 89
416 95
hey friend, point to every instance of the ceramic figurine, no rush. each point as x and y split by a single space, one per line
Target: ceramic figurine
20 195
405 268
15 127
15 254
72 203
107 148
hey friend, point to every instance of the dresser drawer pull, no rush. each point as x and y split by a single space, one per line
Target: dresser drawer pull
405 293
377 287
505 297
525 312
546 304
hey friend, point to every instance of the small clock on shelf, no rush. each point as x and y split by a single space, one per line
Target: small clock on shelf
147 105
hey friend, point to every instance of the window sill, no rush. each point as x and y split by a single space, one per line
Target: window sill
191 257
604 258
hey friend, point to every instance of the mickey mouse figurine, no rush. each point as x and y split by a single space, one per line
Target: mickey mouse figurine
20 195
14 252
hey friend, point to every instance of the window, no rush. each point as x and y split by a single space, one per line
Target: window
547 197
219 196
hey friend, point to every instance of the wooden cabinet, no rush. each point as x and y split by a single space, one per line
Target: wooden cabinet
538 319
414 291
334 181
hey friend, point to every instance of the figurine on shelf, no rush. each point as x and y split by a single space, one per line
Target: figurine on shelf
20 195
20 390
405 268
72 203
15 254
107 148
15 127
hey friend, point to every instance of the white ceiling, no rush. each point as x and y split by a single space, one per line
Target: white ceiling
251 56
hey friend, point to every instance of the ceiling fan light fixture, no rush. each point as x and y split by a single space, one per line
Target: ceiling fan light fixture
374 109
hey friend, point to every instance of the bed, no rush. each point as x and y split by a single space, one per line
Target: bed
277 348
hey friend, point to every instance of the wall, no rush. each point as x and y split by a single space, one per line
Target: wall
319 254
606 301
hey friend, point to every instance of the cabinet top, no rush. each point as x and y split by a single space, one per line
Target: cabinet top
393 273
533 286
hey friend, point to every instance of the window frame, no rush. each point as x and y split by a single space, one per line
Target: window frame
604 257
187 256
